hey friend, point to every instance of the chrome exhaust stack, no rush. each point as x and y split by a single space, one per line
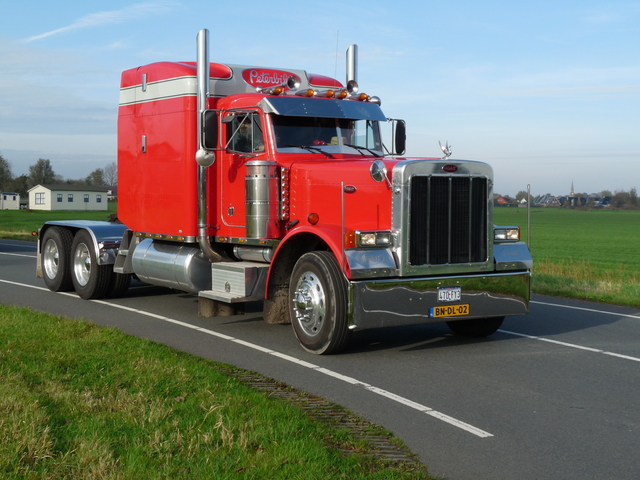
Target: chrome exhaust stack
203 157
352 64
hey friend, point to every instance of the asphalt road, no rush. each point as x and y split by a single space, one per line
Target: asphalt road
554 394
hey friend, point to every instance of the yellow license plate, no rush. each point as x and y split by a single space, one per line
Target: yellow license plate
450 311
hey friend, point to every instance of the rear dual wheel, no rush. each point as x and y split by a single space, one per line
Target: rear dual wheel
55 257
90 280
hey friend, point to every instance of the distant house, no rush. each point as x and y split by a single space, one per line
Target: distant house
112 193
502 201
67 197
547 201
9 201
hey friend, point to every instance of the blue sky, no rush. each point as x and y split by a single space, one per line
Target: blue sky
547 92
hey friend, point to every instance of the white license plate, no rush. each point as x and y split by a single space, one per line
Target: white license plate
449 294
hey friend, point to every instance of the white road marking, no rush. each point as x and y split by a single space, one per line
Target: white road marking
391 396
586 309
572 345
17 255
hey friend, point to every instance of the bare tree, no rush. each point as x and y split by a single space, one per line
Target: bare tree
110 174
620 199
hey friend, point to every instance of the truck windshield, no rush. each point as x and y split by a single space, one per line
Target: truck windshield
328 135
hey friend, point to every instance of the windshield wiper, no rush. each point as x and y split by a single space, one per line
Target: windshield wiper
311 149
362 148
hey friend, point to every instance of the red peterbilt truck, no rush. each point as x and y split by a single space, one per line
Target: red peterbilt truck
241 184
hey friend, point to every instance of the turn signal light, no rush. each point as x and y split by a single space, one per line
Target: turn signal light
350 239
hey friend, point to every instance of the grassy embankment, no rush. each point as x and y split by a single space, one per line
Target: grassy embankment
83 402
585 254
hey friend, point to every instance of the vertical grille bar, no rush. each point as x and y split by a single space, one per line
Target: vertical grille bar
448 216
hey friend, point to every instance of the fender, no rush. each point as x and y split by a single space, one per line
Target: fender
299 241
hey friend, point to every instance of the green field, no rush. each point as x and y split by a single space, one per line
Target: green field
586 254
19 224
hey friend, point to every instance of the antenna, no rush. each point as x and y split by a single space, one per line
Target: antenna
335 73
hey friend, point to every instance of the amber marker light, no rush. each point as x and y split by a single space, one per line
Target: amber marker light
362 97
278 90
350 239
34 234
313 218
330 93
343 94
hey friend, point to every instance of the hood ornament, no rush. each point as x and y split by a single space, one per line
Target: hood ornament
446 150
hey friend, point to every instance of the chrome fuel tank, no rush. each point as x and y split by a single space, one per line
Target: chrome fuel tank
178 266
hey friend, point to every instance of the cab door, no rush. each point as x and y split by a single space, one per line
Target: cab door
243 141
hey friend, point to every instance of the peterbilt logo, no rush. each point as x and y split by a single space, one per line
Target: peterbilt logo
263 77
450 168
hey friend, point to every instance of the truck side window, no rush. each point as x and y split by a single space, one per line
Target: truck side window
244 133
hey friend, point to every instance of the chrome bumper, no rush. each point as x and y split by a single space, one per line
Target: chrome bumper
408 301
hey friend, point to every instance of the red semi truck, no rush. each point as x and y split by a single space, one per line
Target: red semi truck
240 183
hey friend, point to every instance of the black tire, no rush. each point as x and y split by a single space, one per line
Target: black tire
55 258
479 327
318 303
118 284
90 280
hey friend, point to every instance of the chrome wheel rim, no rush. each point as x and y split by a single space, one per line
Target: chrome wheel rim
82 264
51 259
309 304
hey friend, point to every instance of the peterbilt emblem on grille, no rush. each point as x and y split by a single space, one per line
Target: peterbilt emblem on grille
350 189
450 168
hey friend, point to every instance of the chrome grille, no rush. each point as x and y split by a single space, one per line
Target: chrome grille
448 220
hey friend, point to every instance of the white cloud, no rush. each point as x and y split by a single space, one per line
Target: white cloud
112 17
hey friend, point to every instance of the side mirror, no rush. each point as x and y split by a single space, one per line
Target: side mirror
400 135
206 156
210 130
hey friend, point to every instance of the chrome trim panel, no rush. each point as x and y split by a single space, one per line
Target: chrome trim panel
512 256
395 302
371 263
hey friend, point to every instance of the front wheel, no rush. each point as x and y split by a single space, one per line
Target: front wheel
479 327
90 280
318 303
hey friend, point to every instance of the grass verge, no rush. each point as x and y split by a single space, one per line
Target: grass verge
84 402
584 254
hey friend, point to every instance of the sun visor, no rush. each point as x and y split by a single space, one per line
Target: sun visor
329 108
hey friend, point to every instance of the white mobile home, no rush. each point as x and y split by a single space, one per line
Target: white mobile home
9 201
67 197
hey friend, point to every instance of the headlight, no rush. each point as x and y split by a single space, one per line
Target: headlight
367 239
506 234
